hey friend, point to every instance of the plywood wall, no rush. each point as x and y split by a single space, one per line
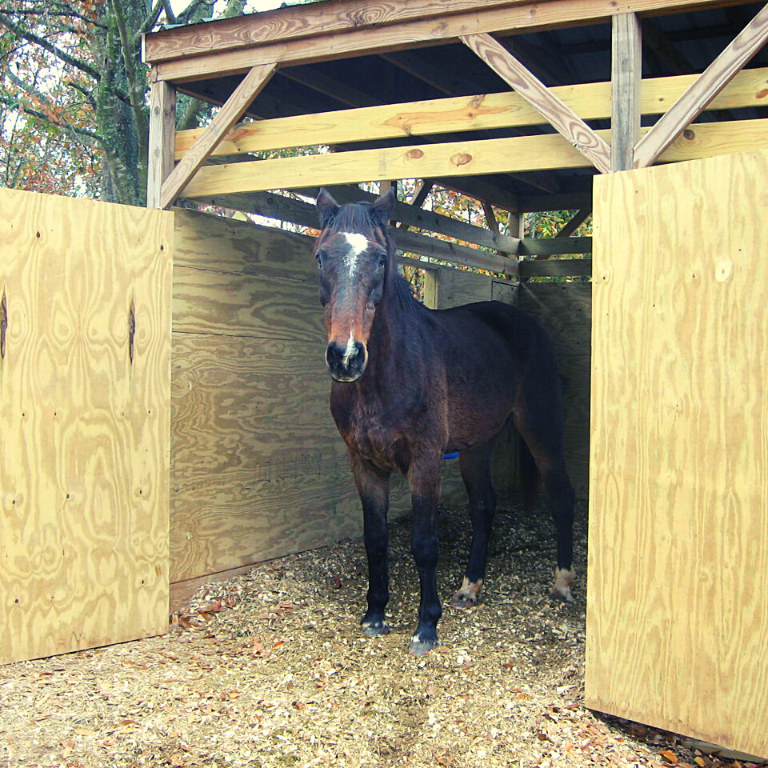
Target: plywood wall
677 629
258 467
565 311
85 293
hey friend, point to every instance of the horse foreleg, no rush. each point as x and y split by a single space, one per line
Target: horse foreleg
424 481
373 487
476 473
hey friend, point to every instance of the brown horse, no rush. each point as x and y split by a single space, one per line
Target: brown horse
411 384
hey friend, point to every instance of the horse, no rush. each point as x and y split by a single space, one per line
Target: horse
411 384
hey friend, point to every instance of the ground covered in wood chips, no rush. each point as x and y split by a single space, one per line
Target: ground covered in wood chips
270 670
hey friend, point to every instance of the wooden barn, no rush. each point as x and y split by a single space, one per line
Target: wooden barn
195 343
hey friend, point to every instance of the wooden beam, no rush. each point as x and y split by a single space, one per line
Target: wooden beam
420 195
544 247
162 135
527 85
296 22
590 101
626 76
555 268
271 205
527 15
578 219
227 116
696 99
525 153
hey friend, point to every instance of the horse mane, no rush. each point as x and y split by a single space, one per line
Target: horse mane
359 217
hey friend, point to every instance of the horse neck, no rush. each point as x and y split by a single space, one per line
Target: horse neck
393 345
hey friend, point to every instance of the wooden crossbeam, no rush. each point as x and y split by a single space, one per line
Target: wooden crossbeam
489 156
527 85
696 99
626 78
467 113
235 54
227 116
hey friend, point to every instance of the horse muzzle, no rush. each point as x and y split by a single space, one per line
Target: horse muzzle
346 363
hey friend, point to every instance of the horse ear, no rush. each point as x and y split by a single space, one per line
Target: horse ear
327 207
384 206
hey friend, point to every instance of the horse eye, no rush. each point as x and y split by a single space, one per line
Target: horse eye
319 258
382 260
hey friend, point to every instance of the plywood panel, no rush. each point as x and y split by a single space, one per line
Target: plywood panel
205 301
677 630
565 311
84 420
228 245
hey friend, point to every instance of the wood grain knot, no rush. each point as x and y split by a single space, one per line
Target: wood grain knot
689 134
461 158
415 154
131 330
3 324
762 94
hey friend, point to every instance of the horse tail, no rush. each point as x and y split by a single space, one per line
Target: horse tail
529 477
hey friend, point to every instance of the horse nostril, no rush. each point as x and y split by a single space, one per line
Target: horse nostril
346 360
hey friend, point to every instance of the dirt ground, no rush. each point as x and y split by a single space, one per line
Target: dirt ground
270 670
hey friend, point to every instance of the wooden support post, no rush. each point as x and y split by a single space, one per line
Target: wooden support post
626 77
695 100
227 116
162 134
529 87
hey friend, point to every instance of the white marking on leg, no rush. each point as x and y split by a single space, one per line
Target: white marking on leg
564 579
351 350
358 244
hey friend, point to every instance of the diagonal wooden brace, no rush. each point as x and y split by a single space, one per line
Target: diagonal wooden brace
695 100
228 115
530 88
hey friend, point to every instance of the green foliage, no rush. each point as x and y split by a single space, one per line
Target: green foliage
74 115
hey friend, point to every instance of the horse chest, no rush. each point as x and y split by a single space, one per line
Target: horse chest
372 431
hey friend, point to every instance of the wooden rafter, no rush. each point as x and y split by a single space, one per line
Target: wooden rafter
591 101
696 99
626 77
233 56
527 85
229 114
507 155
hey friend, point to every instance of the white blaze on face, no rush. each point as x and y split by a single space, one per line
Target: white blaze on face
357 245
350 350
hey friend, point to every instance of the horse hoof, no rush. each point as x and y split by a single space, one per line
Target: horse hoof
375 628
463 601
421 647
467 595
563 594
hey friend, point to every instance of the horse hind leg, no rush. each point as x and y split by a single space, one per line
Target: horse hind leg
476 473
545 445
561 498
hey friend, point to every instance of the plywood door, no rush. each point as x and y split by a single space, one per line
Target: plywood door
677 627
84 423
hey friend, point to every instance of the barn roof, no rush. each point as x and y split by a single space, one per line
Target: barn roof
341 55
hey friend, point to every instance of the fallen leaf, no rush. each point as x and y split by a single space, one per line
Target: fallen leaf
700 761
669 756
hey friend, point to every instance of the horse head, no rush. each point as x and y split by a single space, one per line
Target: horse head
354 259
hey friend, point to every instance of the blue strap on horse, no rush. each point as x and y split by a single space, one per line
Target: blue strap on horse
454 455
